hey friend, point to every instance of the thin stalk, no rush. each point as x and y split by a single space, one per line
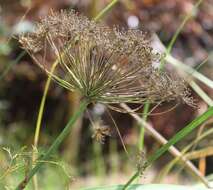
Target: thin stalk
183 67
142 128
201 93
180 28
54 146
41 108
179 136
10 65
99 166
105 10
169 166
39 119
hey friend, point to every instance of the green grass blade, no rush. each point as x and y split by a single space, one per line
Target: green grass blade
11 64
175 36
171 164
179 136
178 64
201 93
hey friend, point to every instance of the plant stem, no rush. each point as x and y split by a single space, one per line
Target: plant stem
105 10
174 38
54 146
39 119
10 65
142 128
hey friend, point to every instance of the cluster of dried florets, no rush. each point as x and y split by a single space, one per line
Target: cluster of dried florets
100 131
104 64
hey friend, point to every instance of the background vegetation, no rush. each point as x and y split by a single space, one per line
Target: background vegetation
185 32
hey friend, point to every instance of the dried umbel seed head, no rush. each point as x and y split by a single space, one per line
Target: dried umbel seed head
100 131
105 65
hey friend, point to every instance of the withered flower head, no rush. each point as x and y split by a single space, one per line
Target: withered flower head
105 65
100 131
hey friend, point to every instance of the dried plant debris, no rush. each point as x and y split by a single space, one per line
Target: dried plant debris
100 131
141 163
104 64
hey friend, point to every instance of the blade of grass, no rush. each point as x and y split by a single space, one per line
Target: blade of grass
11 64
169 166
187 69
179 136
201 93
99 166
183 67
39 119
208 151
195 87
180 28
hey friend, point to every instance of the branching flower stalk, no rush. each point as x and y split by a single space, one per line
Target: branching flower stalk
103 64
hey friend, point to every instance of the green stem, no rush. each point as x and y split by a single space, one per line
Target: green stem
180 135
41 108
180 28
105 10
10 65
39 118
54 146
142 129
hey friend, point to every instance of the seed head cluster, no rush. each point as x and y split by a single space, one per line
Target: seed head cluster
105 65
100 131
